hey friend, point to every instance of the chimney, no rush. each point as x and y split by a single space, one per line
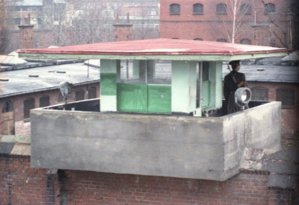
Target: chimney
123 31
26 33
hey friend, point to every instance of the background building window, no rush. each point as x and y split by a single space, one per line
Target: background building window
286 96
245 9
198 39
221 9
7 106
92 92
269 8
28 105
221 40
174 9
259 94
44 101
79 95
245 41
197 9
60 98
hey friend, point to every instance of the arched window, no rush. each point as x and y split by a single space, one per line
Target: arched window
197 9
79 95
286 96
175 9
44 101
28 105
92 92
221 40
245 9
7 106
259 93
245 41
221 9
269 8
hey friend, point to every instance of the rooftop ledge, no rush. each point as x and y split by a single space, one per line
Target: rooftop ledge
209 148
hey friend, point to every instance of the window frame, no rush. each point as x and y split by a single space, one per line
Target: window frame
79 94
198 6
26 109
269 8
260 88
246 40
41 103
174 9
246 9
221 9
7 106
281 93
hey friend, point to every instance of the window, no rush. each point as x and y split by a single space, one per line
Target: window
159 72
198 39
144 86
197 9
17 21
259 94
79 95
60 97
174 9
7 106
28 105
92 92
221 40
286 96
245 41
269 8
245 9
221 9
44 101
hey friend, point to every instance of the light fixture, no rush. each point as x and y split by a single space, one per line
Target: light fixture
65 89
243 97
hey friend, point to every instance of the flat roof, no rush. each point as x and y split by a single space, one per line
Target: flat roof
158 49
268 73
45 78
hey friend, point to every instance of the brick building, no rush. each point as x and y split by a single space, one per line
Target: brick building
256 22
31 85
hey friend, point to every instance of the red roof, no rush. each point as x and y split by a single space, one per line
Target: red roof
158 47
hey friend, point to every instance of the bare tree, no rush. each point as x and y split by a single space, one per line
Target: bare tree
234 15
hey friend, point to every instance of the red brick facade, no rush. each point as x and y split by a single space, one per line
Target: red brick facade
21 127
289 114
22 185
257 27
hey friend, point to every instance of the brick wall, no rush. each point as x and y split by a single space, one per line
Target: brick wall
22 127
289 115
21 185
260 28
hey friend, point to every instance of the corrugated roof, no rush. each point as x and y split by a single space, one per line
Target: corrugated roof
152 47
45 78
268 73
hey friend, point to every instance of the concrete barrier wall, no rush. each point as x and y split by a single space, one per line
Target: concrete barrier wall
174 146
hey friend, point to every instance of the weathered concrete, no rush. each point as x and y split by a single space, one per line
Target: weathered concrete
175 146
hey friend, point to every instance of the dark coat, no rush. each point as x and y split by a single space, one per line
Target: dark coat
231 82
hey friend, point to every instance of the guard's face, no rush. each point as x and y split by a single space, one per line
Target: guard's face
237 67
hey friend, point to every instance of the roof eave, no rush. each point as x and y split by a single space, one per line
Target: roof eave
178 57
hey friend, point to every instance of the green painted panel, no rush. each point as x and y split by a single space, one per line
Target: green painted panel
108 84
132 98
159 99
205 93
